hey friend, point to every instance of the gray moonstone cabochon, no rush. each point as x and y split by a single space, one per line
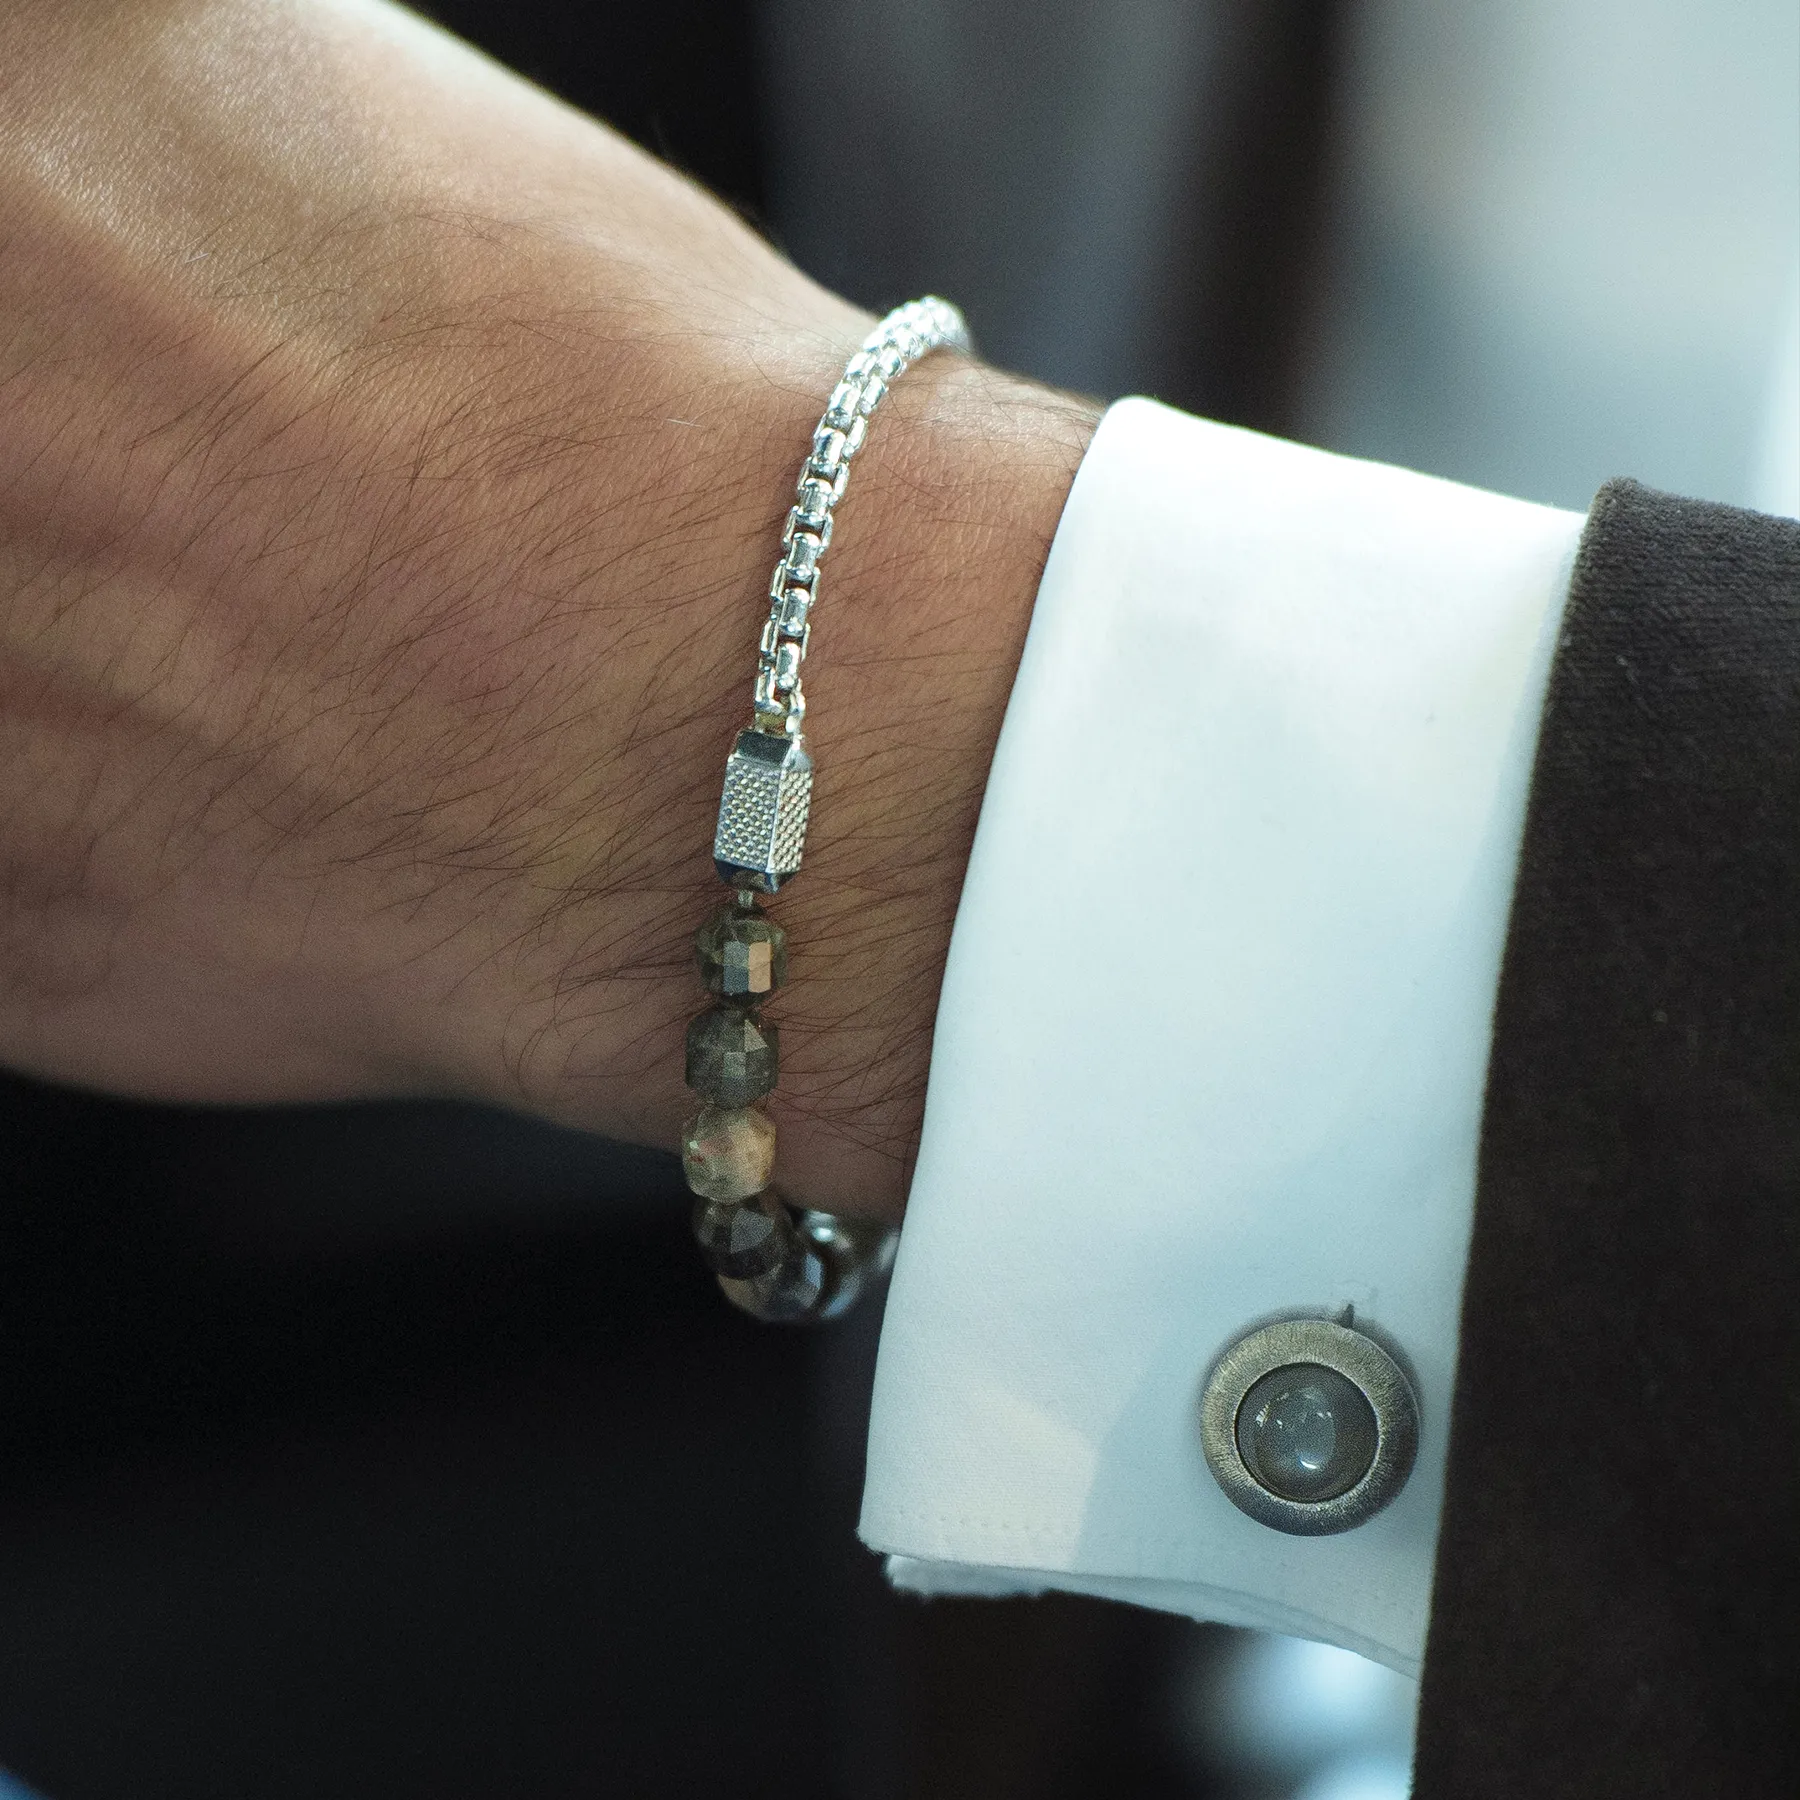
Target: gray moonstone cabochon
1307 1433
743 1239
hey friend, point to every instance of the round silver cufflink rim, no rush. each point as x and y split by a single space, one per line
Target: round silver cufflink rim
1366 1366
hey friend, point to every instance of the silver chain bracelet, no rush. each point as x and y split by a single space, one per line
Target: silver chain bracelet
778 1263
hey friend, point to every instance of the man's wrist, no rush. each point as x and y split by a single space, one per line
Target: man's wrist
393 466
917 635
936 566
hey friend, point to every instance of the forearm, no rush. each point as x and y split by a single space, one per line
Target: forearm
392 465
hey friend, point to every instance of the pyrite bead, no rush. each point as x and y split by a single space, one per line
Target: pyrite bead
742 954
728 1152
743 1239
732 1056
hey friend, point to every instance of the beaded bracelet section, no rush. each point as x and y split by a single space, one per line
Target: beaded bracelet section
778 1263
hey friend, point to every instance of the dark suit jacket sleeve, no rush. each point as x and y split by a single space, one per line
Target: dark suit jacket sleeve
1617 1610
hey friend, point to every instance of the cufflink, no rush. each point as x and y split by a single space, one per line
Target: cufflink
1309 1425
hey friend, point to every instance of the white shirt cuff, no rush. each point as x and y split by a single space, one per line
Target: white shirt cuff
1214 1027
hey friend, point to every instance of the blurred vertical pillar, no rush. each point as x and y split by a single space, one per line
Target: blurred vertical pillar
1124 195
1241 291
1567 243
679 77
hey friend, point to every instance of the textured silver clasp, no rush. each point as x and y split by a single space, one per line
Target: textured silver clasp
762 813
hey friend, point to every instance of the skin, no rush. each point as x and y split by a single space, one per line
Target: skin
391 465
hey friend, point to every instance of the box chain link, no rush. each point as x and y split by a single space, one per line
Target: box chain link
905 335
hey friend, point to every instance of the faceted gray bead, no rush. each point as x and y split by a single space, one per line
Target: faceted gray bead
732 1057
789 1295
743 1239
742 954
835 1261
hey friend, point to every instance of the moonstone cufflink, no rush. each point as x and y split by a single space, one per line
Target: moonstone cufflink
1309 1426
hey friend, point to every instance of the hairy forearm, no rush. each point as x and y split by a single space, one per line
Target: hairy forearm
392 463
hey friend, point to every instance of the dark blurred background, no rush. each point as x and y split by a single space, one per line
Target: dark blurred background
406 1451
